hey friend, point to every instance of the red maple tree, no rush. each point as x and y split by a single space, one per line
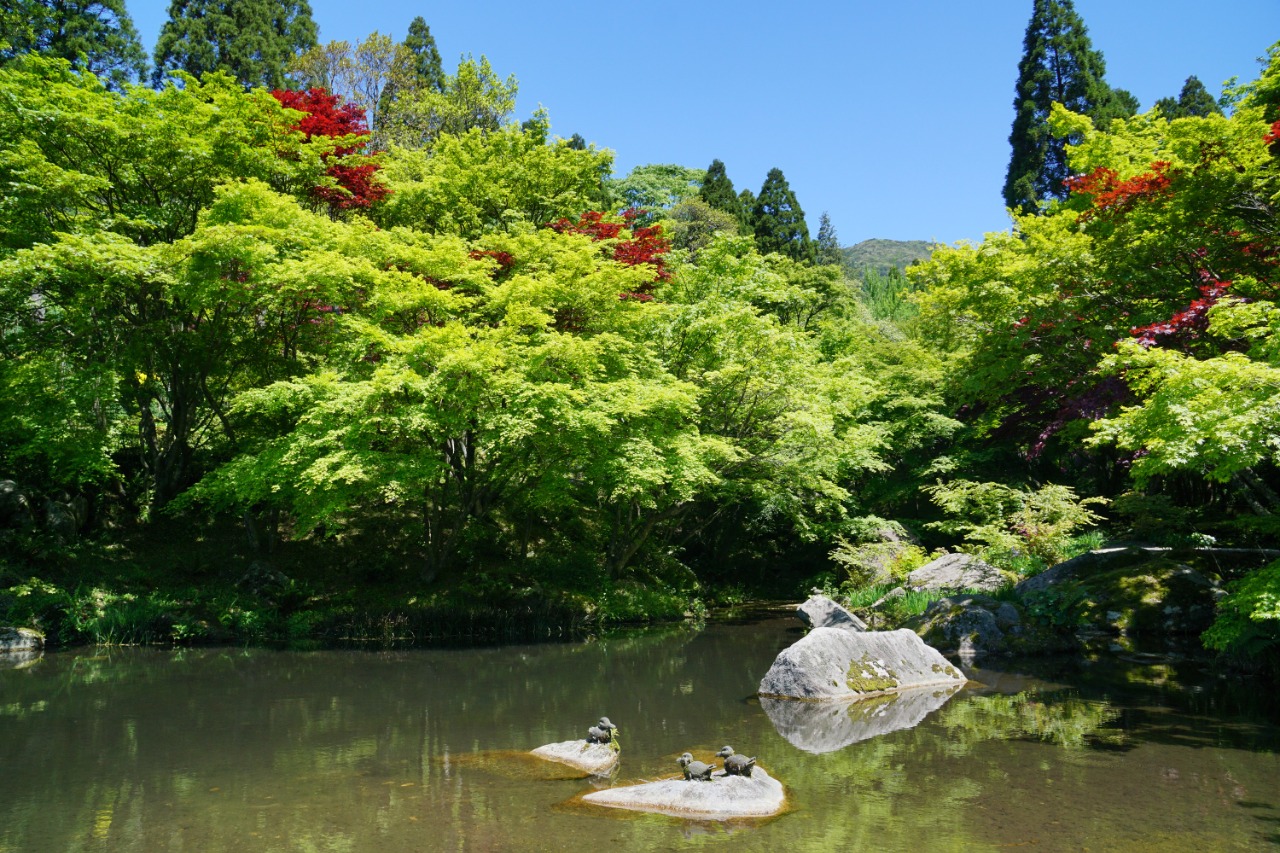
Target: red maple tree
326 116
645 245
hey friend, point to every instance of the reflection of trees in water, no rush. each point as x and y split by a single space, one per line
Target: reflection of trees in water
1067 721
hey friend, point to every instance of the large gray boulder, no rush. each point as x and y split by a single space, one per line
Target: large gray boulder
20 640
821 612
967 625
955 572
597 758
833 663
722 798
819 728
1137 591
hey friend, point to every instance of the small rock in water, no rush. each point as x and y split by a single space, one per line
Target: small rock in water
598 758
723 798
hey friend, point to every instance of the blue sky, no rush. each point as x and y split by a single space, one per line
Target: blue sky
892 117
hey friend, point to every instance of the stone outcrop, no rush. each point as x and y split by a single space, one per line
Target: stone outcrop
597 758
818 728
956 572
20 640
1129 590
834 663
821 612
971 626
721 798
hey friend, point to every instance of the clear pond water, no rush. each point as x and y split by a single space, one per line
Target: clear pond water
423 750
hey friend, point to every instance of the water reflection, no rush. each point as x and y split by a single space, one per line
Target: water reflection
821 727
233 750
1063 720
19 659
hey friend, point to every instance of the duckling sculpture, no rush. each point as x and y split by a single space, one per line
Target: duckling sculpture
601 732
695 769
734 764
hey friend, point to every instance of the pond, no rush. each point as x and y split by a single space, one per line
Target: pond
421 750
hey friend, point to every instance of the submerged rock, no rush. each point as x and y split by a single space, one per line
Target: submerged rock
833 663
723 798
821 612
822 727
598 758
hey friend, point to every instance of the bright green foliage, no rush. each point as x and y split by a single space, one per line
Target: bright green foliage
252 40
77 158
1249 617
93 35
1216 416
1059 65
1006 522
778 220
505 404
475 98
1145 305
1193 101
1016 312
692 225
657 186
167 333
1261 95
887 295
479 182
799 422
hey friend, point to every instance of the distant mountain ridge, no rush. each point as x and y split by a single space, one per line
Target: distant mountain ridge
881 255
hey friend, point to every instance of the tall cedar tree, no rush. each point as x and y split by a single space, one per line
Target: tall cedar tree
717 191
93 35
746 212
1194 101
252 40
1058 65
827 247
779 221
426 67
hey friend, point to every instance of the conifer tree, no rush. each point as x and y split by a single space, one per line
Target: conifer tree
252 40
779 221
1059 65
827 247
746 212
97 36
1193 101
426 66
717 191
